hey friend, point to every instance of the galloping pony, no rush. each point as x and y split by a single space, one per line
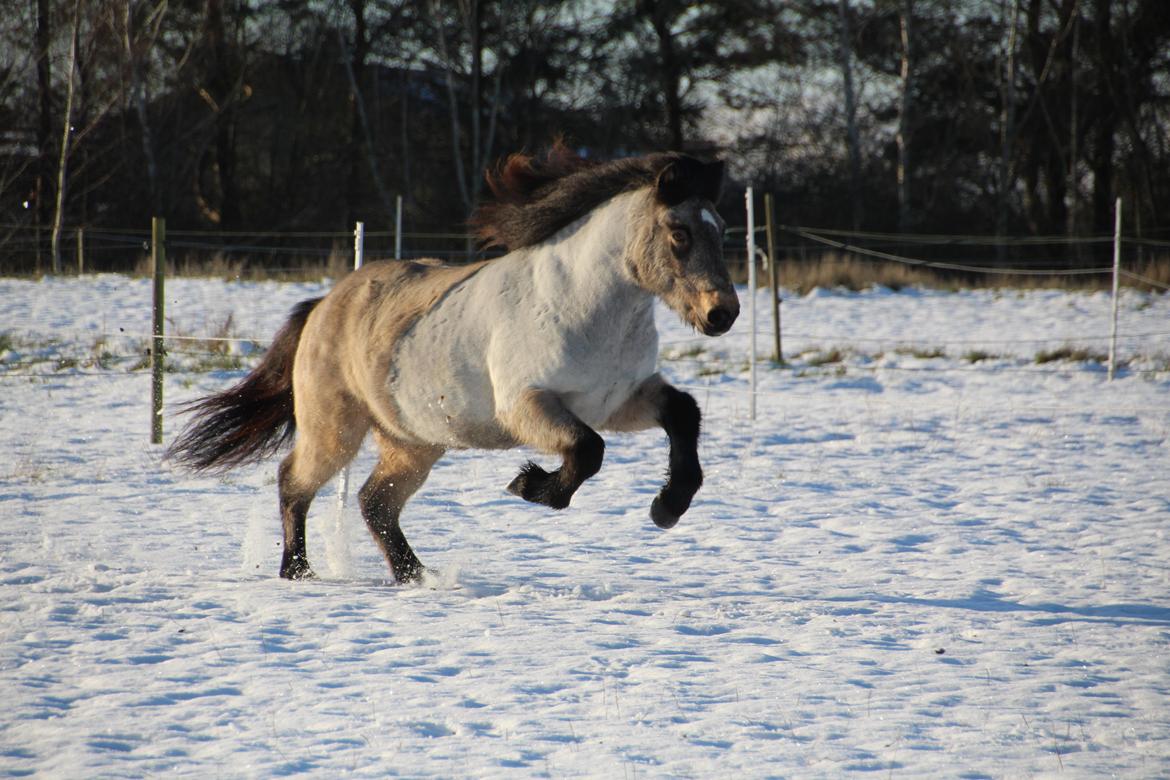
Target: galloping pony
541 347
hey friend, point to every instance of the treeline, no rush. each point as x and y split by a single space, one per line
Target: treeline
991 117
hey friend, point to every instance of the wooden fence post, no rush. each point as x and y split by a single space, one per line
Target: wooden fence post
774 277
80 251
751 259
158 254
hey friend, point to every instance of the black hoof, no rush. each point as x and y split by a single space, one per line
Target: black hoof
538 486
662 517
410 575
297 569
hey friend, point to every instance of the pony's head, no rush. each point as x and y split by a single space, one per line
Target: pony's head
675 247
678 254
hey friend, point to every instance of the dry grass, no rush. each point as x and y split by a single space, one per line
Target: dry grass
1075 354
829 270
1156 273
232 268
837 271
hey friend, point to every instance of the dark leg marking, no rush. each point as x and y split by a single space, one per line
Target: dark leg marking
294 564
382 518
404 563
401 471
679 416
581 461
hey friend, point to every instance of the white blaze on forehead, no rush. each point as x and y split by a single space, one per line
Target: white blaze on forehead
709 218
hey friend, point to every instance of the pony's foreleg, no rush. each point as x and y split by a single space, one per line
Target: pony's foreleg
542 421
658 403
401 470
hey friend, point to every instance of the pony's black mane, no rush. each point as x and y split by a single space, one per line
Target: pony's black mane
537 196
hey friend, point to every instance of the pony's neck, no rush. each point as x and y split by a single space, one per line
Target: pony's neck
591 253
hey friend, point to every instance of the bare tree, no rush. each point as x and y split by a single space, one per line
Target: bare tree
661 14
63 160
853 140
360 136
137 40
1007 131
470 15
43 37
220 84
905 16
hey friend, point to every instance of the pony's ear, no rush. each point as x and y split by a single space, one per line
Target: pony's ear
672 187
710 181
686 177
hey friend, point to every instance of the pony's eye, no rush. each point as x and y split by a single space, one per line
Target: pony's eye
680 237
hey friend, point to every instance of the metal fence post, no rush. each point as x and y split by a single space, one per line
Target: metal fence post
1116 288
359 256
359 253
398 228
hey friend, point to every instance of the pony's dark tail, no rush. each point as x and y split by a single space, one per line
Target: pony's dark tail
251 420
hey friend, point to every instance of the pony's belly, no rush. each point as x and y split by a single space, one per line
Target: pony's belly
596 389
598 404
457 415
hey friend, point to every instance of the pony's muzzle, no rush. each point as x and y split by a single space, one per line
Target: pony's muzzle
721 314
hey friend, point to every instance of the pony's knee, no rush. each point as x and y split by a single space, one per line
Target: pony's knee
588 454
679 414
556 490
378 495
369 496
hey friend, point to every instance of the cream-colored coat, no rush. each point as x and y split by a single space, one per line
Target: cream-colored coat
564 317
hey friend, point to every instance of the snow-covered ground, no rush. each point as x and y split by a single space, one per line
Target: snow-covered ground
930 555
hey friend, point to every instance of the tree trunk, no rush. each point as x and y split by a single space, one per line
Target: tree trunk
453 109
355 65
668 61
477 151
223 78
139 98
63 162
852 137
903 136
41 213
360 136
1106 120
1007 135
1073 186
470 182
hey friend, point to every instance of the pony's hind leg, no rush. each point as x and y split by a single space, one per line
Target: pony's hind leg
294 509
542 421
401 470
321 451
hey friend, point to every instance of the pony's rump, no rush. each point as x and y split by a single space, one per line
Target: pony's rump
254 418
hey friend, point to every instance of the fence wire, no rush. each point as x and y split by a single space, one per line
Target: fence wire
98 239
942 266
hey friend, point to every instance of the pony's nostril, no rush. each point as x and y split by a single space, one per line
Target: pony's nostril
720 319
